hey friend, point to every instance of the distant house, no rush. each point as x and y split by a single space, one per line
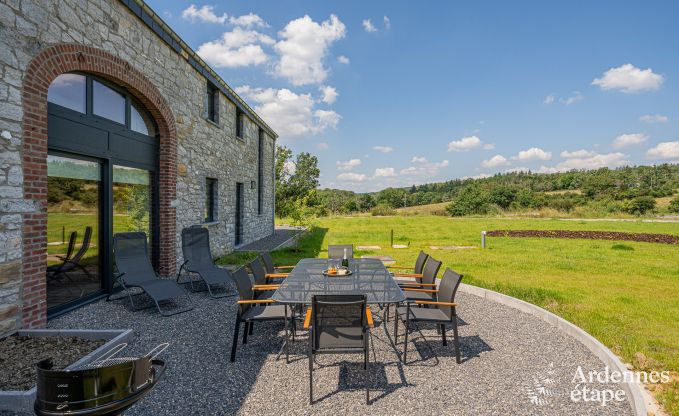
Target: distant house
109 122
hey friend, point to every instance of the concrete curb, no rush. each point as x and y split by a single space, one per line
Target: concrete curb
22 401
633 391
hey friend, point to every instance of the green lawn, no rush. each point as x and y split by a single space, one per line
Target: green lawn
625 294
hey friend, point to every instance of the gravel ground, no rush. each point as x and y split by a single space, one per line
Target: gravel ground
512 363
280 236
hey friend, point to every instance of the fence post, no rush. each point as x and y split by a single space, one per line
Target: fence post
483 239
392 237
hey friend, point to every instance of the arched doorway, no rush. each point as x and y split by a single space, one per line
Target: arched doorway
102 170
41 71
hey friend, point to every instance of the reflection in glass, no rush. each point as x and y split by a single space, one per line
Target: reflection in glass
68 90
73 195
141 122
108 103
132 200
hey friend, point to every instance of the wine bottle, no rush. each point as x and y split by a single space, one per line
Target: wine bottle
345 260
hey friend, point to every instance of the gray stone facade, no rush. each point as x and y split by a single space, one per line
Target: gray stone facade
203 148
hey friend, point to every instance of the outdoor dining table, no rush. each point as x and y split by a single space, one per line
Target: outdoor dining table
368 277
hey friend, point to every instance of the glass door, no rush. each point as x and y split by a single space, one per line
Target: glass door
74 195
133 207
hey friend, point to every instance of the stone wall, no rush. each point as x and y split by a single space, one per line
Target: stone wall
204 149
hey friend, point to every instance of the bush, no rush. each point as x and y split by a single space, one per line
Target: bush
674 205
382 210
640 205
470 200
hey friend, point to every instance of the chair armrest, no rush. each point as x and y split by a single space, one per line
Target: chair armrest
393 266
276 275
251 301
307 318
284 267
414 275
265 287
369 316
416 284
412 289
432 302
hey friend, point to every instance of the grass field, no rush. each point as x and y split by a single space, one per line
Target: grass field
626 294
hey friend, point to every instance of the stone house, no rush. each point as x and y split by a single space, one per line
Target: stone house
109 122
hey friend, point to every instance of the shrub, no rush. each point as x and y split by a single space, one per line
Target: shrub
470 200
640 205
382 210
674 205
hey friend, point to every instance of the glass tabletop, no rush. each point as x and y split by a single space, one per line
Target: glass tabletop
369 277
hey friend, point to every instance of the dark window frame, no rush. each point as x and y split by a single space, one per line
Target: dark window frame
211 199
240 124
212 103
260 172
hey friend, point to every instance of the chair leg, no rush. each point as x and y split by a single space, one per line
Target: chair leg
248 325
366 374
386 313
395 325
252 328
234 344
311 373
443 334
405 343
456 340
287 353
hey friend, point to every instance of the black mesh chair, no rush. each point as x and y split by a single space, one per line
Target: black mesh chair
336 251
198 260
414 272
75 262
425 287
443 313
55 271
261 281
252 309
270 268
339 325
135 270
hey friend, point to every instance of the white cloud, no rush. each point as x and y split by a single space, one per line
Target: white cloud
368 26
351 177
628 78
248 20
387 22
348 165
204 14
625 140
237 48
582 153
495 161
289 114
549 99
384 172
289 167
654 118
479 176
577 96
428 169
488 146
343 60
534 153
465 144
418 159
594 161
322 146
329 94
664 150
303 48
383 149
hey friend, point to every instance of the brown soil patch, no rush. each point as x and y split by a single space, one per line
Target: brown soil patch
19 355
589 235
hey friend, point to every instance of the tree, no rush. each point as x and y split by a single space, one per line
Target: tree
472 199
295 182
366 202
640 205
674 205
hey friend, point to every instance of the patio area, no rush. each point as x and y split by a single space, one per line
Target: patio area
512 363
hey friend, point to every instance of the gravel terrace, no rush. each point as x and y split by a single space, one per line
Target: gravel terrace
513 363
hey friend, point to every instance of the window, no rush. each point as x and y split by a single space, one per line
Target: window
239 124
141 121
210 199
108 103
68 90
212 103
260 172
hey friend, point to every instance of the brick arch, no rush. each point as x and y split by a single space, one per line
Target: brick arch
41 71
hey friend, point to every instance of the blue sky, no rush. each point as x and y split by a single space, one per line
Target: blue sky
431 91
